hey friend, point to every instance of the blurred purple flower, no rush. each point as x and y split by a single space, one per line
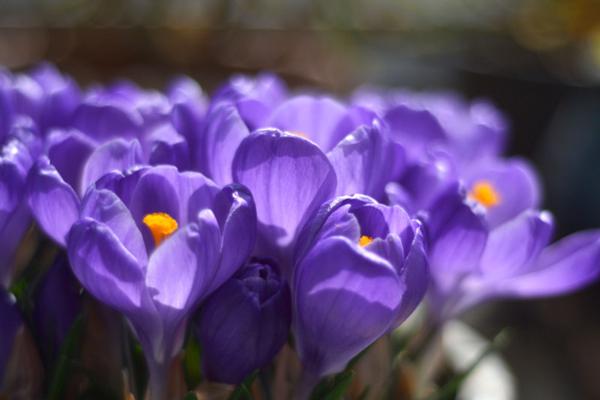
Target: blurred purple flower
426 122
361 270
153 244
244 324
493 243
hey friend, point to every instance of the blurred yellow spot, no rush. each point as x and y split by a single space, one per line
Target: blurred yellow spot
365 240
298 133
161 225
484 193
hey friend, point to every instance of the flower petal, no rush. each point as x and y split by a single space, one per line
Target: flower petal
53 203
289 178
106 207
567 265
117 154
515 244
105 267
166 146
365 161
236 213
223 132
315 117
458 235
345 299
68 151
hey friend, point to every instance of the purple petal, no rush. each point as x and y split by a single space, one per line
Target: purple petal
515 244
458 236
53 203
118 154
223 132
254 98
105 267
236 213
183 265
415 128
313 117
415 275
345 299
567 265
61 97
166 146
365 161
102 120
68 151
105 206
289 178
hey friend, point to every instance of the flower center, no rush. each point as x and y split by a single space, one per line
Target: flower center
485 194
161 225
365 240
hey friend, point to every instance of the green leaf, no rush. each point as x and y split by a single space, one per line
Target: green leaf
191 362
190 396
242 391
333 388
63 366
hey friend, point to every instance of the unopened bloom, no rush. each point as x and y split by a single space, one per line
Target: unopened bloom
361 270
153 244
244 324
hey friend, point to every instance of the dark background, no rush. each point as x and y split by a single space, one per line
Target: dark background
537 60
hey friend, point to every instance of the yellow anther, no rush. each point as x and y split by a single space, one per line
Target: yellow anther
484 193
161 225
365 240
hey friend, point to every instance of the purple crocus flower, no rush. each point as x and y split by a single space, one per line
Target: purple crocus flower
361 270
153 244
244 324
491 242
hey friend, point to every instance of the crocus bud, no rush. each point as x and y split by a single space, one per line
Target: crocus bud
244 324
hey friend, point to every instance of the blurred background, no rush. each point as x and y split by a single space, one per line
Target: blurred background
537 60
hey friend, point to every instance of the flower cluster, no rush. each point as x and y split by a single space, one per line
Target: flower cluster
261 217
